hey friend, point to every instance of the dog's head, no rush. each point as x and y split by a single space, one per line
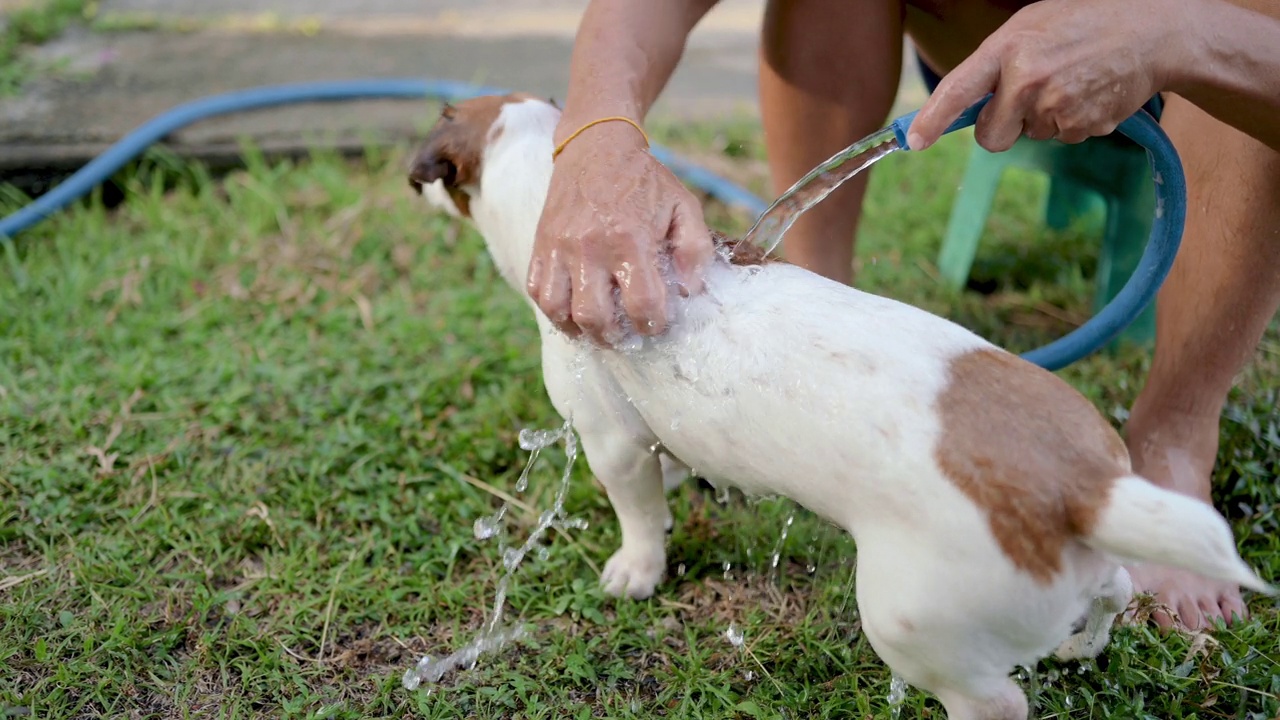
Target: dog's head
448 165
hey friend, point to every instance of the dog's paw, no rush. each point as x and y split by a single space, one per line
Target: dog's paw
634 574
1083 646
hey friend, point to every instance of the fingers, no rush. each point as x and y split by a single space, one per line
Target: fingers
1040 128
550 288
592 304
691 246
642 290
962 87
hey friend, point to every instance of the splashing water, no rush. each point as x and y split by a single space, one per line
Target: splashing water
735 636
817 185
897 694
489 526
777 549
493 636
1027 674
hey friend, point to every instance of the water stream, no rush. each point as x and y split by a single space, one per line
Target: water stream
817 185
493 634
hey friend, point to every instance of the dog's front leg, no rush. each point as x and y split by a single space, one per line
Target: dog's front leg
632 476
622 453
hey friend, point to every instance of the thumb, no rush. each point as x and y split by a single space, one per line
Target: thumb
962 87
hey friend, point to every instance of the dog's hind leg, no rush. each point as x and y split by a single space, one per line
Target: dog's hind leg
632 476
1005 701
674 472
1112 600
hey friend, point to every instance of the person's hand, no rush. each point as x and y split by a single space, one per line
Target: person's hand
612 212
1061 69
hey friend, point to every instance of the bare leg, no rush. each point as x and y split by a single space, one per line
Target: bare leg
829 71
1222 291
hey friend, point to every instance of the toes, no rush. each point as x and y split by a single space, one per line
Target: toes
1190 615
632 575
1234 609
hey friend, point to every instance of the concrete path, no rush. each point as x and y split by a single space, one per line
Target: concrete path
107 83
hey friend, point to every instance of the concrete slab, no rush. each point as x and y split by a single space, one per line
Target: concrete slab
111 82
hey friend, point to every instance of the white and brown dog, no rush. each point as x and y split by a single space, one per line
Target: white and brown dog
990 503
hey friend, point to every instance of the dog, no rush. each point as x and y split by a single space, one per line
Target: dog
991 505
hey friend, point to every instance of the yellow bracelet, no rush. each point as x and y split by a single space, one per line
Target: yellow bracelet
560 148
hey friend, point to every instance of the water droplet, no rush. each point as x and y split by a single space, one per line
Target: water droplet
411 681
531 439
575 524
488 526
777 550
811 568
511 559
735 636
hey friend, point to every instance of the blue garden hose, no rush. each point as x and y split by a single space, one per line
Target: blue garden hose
1166 233
1157 257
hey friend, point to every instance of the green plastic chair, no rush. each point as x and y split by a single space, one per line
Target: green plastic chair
1109 171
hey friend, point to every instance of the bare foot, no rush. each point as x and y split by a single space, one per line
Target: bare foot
1177 451
1195 601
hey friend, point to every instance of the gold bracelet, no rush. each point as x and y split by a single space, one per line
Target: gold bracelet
560 148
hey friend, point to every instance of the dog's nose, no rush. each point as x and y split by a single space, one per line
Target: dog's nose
428 168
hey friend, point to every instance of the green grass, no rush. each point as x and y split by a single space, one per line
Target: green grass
246 425
37 22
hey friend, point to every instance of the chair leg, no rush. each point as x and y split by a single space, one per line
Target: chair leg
1068 201
969 214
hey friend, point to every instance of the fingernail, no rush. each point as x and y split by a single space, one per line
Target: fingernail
914 141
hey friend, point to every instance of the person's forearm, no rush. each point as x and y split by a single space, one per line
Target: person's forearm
1234 74
623 56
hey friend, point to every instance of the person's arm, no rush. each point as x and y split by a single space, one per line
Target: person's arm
1235 71
1073 69
624 54
613 211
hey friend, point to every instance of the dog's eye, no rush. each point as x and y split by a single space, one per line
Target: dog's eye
448 111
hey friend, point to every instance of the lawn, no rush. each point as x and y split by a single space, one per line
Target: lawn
247 424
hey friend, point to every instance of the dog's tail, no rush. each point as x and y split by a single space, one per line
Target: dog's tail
1146 523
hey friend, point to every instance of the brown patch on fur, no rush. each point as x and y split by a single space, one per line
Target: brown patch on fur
454 147
741 253
1029 450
